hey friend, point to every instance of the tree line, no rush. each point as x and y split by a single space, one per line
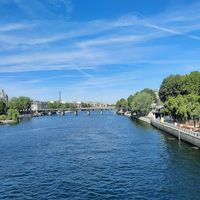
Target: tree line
14 107
60 105
180 95
138 104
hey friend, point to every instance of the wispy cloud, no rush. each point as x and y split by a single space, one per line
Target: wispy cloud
41 9
14 27
128 42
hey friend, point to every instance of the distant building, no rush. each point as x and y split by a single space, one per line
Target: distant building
157 107
77 104
97 104
38 106
3 96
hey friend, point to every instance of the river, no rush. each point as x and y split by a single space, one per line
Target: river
96 157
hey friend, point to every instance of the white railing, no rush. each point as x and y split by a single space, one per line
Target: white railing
184 130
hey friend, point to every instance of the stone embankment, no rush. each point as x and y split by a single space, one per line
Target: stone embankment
181 133
178 132
145 119
7 121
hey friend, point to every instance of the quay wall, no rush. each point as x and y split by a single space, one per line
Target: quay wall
181 133
145 119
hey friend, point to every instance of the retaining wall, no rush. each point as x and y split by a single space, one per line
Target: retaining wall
181 133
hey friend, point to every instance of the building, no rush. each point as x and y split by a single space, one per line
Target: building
97 104
77 104
157 107
3 96
38 106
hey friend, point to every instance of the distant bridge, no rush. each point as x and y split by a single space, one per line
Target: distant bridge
76 110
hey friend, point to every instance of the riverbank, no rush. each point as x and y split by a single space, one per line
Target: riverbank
178 132
7 122
144 119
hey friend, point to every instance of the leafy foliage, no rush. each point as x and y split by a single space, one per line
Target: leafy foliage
141 103
175 85
183 108
191 84
2 117
13 114
181 95
122 104
171 87
59 105
21 103
151 92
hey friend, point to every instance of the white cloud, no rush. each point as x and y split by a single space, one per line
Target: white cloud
14 27
128 40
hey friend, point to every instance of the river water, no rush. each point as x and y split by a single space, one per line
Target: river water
95 157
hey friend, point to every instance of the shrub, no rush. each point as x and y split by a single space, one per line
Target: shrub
2 117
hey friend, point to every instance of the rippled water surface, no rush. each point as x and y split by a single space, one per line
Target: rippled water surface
94 157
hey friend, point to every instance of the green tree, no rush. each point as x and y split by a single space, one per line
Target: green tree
25 103
129 101
122 104
2 117
22 104
13 103
141 103
193 107
183 108
13 114
171 87
151 92
191 84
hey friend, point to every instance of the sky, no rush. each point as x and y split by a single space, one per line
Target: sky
95 50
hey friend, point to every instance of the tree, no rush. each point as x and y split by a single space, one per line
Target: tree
183 108
176 107
151 92
22 104
191 84
2 107
175 85
84 105
171 87
122 104
141 103
181 95
129 101
13 103
13 114
193 107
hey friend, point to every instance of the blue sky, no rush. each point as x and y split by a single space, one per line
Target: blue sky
98 50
